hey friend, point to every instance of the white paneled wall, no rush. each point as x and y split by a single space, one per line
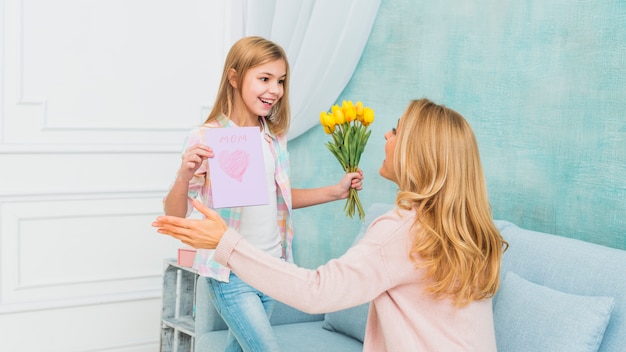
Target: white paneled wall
96 98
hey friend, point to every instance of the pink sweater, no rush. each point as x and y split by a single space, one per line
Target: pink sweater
376 269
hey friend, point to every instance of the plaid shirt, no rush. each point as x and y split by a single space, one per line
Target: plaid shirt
201 184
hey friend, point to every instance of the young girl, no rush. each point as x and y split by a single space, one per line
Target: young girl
429 267
254 91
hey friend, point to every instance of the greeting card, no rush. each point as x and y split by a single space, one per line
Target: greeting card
237 170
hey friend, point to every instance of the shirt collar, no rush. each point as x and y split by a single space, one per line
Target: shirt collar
268 132
223 121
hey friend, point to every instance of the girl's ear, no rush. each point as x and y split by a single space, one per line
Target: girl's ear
232 77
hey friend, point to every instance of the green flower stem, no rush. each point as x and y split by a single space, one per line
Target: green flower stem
354 201
347 146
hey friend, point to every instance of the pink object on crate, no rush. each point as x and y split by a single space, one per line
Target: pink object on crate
186 256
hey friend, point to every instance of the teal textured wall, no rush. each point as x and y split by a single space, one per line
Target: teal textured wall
543 84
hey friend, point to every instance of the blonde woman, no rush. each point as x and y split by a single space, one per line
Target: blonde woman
429 267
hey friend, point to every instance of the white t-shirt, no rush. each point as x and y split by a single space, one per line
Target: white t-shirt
259 224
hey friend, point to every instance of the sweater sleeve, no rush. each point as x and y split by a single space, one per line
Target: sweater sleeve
375 264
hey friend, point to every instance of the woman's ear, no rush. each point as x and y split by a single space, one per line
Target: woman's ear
232 77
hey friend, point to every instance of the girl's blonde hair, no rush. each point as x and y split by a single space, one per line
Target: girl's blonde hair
439 173
246 53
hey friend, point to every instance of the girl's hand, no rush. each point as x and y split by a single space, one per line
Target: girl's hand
192 159
350 180
198 233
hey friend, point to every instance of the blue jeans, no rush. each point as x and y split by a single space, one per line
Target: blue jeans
247 313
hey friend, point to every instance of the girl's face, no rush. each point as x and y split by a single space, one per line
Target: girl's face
261 88
387 170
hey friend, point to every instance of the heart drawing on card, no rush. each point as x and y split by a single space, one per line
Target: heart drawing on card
234 163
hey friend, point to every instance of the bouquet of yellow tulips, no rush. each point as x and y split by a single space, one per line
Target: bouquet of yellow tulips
348 127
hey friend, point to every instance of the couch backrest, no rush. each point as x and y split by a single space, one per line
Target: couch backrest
571 266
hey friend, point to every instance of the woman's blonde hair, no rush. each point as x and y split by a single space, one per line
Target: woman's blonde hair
246 53
439 173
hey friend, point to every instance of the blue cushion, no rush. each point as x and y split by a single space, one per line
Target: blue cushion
532 317
572 266
284 314
350 322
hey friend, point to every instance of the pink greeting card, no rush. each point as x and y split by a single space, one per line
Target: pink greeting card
237 170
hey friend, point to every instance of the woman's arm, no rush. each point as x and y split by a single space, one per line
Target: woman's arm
304 197
374 265
355 278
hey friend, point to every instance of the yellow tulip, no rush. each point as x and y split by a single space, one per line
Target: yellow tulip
368 116
329 129
358 109
322 121
338 115
330 121
348 110
327 120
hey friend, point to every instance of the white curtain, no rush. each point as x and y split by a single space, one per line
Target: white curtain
323 39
